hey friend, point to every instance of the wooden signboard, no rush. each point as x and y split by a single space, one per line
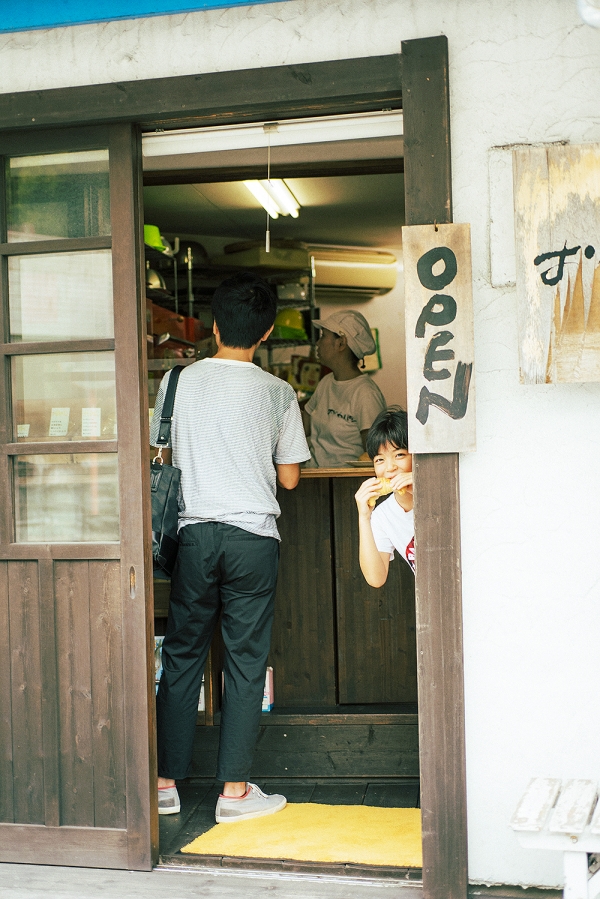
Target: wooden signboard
439 338
557 236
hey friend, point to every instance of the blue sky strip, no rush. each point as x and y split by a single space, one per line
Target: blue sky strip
56 13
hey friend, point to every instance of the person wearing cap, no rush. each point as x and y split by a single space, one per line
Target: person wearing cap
347 401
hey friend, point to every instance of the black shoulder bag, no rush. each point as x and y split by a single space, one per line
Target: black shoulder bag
164 487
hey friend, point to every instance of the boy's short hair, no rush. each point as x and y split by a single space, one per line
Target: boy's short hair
390 427
244 307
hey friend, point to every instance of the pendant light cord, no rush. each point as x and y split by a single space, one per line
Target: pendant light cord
268 232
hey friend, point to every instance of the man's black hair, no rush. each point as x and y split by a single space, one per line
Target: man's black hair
390 427
244 308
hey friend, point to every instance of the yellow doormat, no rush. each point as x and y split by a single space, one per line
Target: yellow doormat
306 831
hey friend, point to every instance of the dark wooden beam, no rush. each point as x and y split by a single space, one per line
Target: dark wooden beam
427 171
290 170
321 88
437 521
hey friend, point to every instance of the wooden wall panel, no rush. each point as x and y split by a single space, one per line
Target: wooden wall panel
50 696
108 726
6 751
314 750
26 692
375 627
31 845
90 676
75 689
302 647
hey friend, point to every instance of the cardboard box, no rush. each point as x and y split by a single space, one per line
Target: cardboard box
268 695
158 642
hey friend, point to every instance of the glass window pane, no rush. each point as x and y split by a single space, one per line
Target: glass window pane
61 296
64 396
66 498
58 195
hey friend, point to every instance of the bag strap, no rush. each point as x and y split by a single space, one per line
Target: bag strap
164 431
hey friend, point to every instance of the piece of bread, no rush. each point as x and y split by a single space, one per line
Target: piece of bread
385 487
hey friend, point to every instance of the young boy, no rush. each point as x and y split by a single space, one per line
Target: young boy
390 526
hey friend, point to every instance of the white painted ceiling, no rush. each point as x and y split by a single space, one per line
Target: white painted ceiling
353 210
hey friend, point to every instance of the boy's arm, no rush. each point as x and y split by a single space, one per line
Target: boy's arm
374 564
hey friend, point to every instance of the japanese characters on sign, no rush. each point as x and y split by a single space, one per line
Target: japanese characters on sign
557 243
439 338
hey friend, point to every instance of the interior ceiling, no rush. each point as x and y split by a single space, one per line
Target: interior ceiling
356 210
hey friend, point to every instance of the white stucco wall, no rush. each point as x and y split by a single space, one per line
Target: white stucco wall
520 72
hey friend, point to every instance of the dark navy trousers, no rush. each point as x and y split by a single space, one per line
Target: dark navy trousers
219 568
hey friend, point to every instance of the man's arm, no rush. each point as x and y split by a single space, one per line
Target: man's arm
288 475
291 445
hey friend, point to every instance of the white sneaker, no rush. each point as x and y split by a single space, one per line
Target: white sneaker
253 804
168 801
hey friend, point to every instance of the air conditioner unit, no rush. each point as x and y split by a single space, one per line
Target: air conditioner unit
346 275
342 274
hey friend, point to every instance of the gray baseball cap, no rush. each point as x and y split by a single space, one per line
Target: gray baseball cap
354 327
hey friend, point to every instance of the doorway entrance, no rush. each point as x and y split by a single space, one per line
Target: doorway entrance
344 722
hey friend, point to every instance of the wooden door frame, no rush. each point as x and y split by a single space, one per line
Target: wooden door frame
417 81
438 587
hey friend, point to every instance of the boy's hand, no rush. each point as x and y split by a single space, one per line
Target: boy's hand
368 490
402 482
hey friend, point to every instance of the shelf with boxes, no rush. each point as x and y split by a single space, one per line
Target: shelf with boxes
180 282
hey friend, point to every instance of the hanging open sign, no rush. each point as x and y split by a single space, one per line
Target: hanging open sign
439 338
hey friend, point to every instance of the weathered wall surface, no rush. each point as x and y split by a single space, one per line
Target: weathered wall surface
520 72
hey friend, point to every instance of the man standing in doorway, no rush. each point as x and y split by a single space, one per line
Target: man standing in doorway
236 433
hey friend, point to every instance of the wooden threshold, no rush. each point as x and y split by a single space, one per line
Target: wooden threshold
286 866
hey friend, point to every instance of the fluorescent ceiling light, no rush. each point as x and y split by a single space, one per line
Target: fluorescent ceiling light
265 200
274 194
318 129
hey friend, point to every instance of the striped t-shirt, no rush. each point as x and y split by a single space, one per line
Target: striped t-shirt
231 422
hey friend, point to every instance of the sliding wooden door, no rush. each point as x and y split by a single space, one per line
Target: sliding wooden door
77 711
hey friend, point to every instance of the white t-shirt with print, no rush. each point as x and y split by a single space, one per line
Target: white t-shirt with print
339 411
393 528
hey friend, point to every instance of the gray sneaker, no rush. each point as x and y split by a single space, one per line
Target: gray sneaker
253 804
168 801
